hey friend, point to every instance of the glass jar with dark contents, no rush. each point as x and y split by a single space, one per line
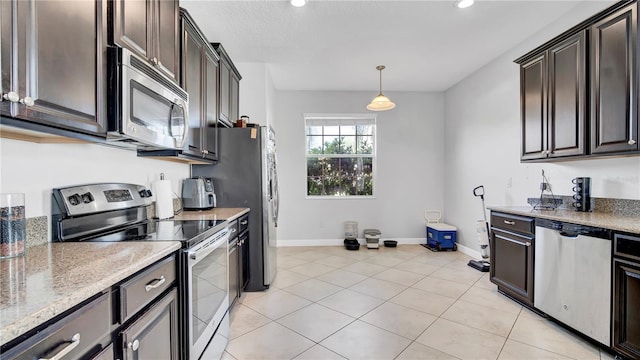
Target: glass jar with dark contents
13 227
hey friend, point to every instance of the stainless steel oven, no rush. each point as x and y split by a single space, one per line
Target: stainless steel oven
207 289
145 108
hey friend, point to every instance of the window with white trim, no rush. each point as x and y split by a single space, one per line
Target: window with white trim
340 154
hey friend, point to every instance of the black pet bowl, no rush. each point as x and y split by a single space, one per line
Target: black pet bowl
351 244
390 243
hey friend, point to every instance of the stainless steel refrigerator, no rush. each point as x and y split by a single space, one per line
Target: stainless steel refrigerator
246 176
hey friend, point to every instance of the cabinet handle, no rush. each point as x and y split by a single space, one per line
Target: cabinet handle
631 142
509 222
134 345
27 100
244 222
73 343
155 283
154 61
11 96
232 230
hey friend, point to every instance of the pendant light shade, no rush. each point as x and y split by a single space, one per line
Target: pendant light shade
380 102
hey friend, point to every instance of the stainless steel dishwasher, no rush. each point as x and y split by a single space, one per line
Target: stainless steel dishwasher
572 276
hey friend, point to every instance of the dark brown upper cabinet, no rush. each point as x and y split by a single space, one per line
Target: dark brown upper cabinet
553 101
614 82
200 79
149 29
53 71
579 91
229 88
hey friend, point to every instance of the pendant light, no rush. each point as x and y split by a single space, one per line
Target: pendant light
381 102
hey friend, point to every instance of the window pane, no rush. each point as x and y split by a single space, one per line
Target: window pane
348 130
367 165
332 130
348 145
365 145
364 129
315 166
331 145
314 185
349 166
314 130
341 172
314 144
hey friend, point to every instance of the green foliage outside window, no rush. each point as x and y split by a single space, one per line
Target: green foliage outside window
340 160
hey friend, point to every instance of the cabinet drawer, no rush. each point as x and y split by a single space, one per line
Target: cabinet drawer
243 223
233 229
141 289
514 223
78 335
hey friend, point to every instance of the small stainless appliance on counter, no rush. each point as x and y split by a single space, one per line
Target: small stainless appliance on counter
118 212
198 193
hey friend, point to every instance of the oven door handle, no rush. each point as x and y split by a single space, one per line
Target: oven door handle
207 248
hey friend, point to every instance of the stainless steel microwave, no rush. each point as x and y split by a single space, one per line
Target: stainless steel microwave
145 109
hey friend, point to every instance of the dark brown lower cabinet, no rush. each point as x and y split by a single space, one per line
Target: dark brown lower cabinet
154 335
512 251
626 308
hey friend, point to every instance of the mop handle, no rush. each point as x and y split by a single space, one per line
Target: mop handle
478 191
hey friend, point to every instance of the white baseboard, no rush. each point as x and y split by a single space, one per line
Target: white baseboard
469 251
340 242
401 241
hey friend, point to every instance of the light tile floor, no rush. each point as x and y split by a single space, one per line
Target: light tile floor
392 303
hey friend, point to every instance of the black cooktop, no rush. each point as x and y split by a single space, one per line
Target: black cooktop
189 232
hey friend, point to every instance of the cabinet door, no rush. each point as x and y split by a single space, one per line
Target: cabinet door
192 83
244 260
132 26
512 264
567 105
60 66
6 61
234 101
626 308
155 334
533 98
225 87
210 136
614 83
166 42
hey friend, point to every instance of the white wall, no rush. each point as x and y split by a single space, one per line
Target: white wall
482 143
34 169
410 162
256 93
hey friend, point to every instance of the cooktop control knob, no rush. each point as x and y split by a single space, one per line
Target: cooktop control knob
148 192
74 199
87 198
143 193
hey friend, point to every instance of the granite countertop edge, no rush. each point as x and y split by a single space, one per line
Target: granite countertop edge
82 291
213 214
610 221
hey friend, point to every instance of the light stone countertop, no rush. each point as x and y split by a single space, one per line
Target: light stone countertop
604 220
52 278
213 214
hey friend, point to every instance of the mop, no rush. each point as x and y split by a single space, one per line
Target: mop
482 235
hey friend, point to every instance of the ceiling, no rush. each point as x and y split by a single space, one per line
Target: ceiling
336 45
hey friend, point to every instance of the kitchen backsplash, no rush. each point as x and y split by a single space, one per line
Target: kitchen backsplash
623 207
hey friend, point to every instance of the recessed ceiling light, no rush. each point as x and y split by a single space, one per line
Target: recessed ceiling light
461 3
298 3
